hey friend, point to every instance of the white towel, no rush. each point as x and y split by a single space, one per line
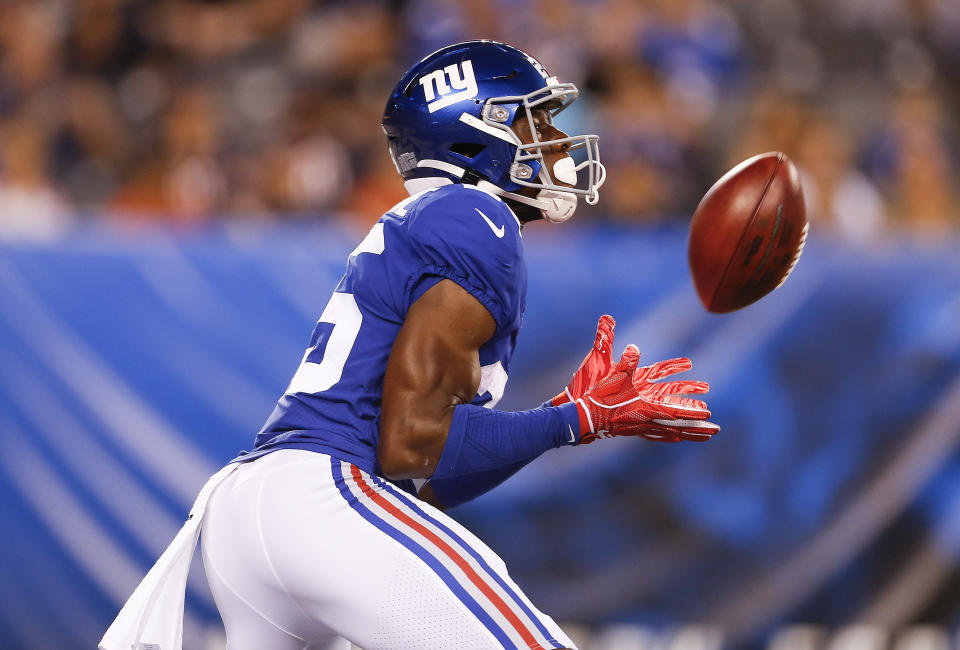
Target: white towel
152 618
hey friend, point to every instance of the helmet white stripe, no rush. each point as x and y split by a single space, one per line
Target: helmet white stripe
442 166
470 120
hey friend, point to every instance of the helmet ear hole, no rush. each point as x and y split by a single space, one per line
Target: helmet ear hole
467 149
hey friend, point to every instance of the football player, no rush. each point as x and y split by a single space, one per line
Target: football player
318 533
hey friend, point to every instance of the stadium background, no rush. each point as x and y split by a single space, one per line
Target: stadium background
180 184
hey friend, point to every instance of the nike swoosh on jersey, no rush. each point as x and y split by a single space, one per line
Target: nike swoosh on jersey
499 232
573 438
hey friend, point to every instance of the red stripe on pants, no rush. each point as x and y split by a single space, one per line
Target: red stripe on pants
484 588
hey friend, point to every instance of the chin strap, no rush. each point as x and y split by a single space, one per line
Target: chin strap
555 206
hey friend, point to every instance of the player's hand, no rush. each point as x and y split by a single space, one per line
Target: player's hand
632 401
595 366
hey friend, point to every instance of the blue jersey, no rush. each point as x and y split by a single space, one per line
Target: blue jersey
458 232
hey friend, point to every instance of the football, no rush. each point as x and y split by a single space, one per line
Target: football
747 234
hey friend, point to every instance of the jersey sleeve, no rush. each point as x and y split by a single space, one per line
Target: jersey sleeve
473 239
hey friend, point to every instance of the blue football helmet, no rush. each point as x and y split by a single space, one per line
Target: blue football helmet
448 121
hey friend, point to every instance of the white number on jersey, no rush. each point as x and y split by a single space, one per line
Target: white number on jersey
493 380
345 316
312 377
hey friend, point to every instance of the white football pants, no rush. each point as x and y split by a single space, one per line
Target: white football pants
302 549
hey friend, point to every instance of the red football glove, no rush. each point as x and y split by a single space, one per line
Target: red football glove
595 366
628 402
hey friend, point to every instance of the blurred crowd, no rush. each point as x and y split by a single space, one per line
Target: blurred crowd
187 111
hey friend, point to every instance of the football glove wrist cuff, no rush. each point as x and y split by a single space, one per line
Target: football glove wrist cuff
483 439
583 416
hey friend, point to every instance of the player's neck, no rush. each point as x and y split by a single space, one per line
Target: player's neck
525 213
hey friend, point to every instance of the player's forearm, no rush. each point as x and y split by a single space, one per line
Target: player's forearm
411 440
480 440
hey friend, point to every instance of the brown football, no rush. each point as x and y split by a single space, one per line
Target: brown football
747 233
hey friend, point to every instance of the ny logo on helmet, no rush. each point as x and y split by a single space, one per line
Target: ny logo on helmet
461 78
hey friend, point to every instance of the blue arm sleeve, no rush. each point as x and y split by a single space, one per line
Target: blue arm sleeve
460 489
485 447
483 440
